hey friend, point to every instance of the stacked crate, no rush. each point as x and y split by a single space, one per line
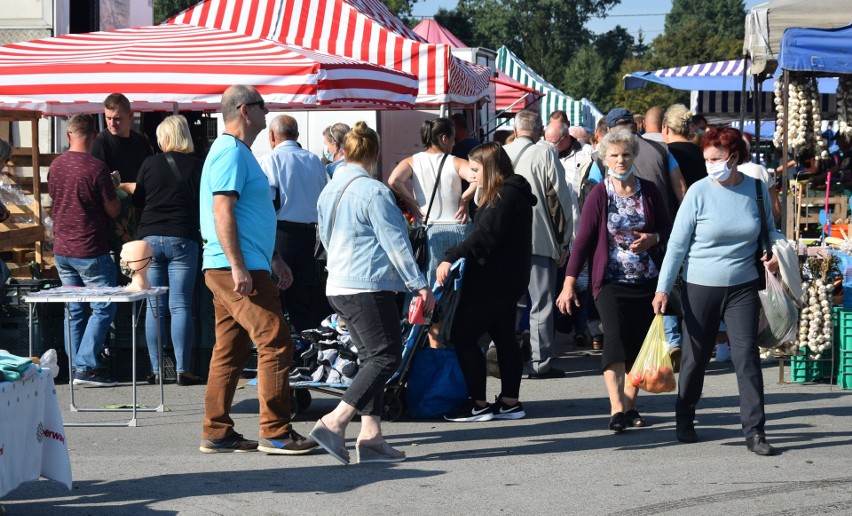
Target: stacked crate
843 342
804 369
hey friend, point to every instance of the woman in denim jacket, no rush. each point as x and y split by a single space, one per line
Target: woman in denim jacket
369 261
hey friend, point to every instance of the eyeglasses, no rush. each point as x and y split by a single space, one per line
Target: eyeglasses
260 103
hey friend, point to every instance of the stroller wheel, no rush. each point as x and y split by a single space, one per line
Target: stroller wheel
394 405
300 400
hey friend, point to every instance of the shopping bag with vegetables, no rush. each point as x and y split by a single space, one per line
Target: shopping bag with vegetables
652 371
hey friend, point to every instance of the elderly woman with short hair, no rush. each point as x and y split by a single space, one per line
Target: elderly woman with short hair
623 223
167 188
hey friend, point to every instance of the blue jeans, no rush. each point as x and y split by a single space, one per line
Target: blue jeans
174 265
671 323
88 331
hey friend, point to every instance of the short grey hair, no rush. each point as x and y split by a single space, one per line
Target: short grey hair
234 97
284 126
528 120
622 139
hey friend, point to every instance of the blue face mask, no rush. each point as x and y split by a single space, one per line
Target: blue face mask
327 155
622 177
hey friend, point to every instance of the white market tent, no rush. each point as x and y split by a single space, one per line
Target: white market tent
765 24
578 112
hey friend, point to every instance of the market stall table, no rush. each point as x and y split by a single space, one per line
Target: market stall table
105 295
32 437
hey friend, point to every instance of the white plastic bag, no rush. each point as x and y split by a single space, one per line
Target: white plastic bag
49 360
778 315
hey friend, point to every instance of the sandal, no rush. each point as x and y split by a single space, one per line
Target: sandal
617 422
634 419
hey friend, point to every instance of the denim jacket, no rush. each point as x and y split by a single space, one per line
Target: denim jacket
368 248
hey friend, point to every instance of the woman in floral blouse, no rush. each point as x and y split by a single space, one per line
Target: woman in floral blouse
622 226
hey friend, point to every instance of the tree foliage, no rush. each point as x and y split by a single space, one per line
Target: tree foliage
401 8
165 9
724 17
592 72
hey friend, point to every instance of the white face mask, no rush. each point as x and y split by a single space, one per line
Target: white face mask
719 171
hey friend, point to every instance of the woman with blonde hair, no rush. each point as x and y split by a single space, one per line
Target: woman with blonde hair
369 261
167 192
677 127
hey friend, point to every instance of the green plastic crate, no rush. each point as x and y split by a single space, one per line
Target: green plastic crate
804 370
843 328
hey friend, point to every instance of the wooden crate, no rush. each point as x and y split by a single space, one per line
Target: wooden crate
808 212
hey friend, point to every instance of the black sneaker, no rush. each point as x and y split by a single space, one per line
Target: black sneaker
233 443
503 411
92 379
470 411
290 444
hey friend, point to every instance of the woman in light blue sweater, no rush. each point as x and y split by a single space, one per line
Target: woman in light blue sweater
716 237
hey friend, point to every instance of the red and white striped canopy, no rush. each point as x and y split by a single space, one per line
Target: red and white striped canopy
158 67
359 29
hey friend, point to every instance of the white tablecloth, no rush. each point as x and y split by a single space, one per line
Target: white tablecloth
32 438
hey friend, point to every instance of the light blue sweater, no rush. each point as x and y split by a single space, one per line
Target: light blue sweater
715 235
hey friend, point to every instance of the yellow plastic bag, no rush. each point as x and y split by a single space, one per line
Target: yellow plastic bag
652 370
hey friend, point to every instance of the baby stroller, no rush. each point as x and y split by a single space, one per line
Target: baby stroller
318 346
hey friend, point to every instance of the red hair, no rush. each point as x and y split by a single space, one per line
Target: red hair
727 138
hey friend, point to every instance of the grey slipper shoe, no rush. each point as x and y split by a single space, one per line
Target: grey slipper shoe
367 453
334 444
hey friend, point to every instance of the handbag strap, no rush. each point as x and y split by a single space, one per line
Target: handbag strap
761 209
435 188
518 157
337 203
192 199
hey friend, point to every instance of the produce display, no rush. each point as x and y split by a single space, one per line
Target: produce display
844 104
815 327
803 116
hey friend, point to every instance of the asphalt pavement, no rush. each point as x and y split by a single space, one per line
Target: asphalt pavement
561 459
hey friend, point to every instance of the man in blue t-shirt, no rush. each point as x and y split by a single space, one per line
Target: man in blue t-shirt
238 227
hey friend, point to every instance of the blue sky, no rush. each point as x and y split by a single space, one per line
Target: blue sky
651 20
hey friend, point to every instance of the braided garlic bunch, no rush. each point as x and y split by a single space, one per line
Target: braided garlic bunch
844 104
804 117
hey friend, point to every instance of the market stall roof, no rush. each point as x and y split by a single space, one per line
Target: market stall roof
161 66
716 76
553 98
765 24
512 96
434 32
358 29
824 51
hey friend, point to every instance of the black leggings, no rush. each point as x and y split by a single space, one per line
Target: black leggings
472 320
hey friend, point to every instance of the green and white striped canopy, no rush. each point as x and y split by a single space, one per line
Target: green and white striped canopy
553 99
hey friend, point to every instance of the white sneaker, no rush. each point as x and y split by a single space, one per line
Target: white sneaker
723 352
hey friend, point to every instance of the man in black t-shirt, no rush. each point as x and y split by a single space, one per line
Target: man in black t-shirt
119 146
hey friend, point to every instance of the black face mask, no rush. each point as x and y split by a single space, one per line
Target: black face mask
128 270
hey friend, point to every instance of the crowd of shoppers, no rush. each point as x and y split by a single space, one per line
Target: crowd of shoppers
541 203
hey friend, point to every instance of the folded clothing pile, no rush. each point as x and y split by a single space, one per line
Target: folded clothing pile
325 354
14 368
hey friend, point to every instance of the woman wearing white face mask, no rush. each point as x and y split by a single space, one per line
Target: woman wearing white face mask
716 237
623 222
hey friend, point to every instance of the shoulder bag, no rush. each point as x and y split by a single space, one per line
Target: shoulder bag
417 235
